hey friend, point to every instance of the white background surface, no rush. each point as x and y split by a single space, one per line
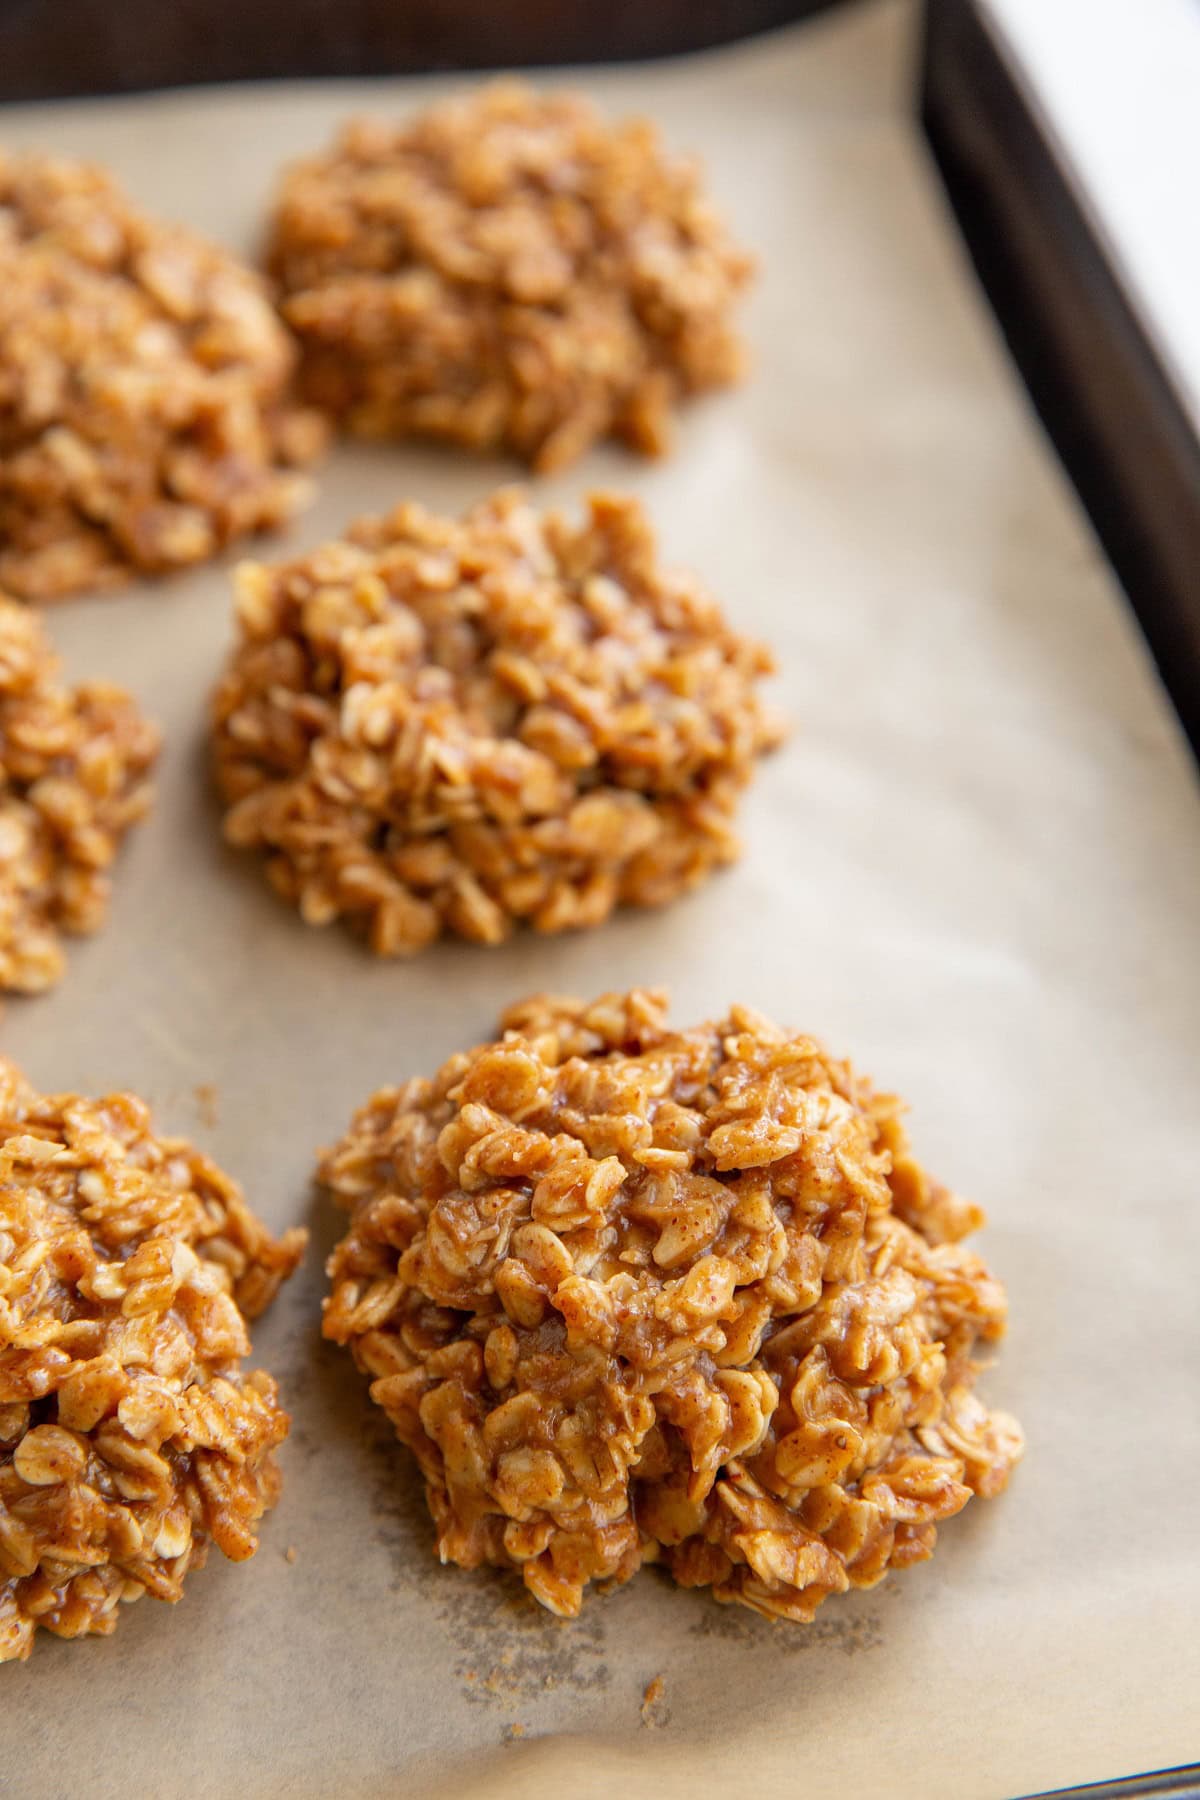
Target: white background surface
975 869
1116 84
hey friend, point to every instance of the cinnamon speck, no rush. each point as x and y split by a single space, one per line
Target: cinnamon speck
207 1098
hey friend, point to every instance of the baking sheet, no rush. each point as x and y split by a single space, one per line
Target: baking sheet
975 869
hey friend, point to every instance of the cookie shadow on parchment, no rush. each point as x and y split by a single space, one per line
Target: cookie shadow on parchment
242 871
333 1414
508 1650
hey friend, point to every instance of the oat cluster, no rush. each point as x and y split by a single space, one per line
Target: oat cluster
440 725
507 270
74 776
635 1295
143 380
131 1440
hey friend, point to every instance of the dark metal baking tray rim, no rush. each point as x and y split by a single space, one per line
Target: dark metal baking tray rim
1095 379
126 46
1103 394
1166 1784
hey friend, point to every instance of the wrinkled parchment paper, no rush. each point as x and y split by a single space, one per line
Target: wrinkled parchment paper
975 869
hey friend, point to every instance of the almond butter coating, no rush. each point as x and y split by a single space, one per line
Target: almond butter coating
634 1294
131 1438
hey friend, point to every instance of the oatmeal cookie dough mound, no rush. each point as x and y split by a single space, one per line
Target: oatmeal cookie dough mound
439 725
507 270
143 380
74 767
131 1440
634 1294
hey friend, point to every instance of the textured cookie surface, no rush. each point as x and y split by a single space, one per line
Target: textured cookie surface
144 421
507 270
634 1294
131 1439
74 777
460 725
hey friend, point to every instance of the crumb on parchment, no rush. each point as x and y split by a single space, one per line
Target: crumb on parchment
207 1098
652 1703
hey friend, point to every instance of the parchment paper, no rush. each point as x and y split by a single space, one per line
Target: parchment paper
975 870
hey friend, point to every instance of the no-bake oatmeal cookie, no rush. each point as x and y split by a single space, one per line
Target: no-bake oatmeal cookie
144 376
74 777
507 270
442 725
131 1439
633 1294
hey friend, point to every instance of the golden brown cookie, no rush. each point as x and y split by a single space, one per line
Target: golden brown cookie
131 1438
462 725
144 412
633 1294
75 764
507 270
